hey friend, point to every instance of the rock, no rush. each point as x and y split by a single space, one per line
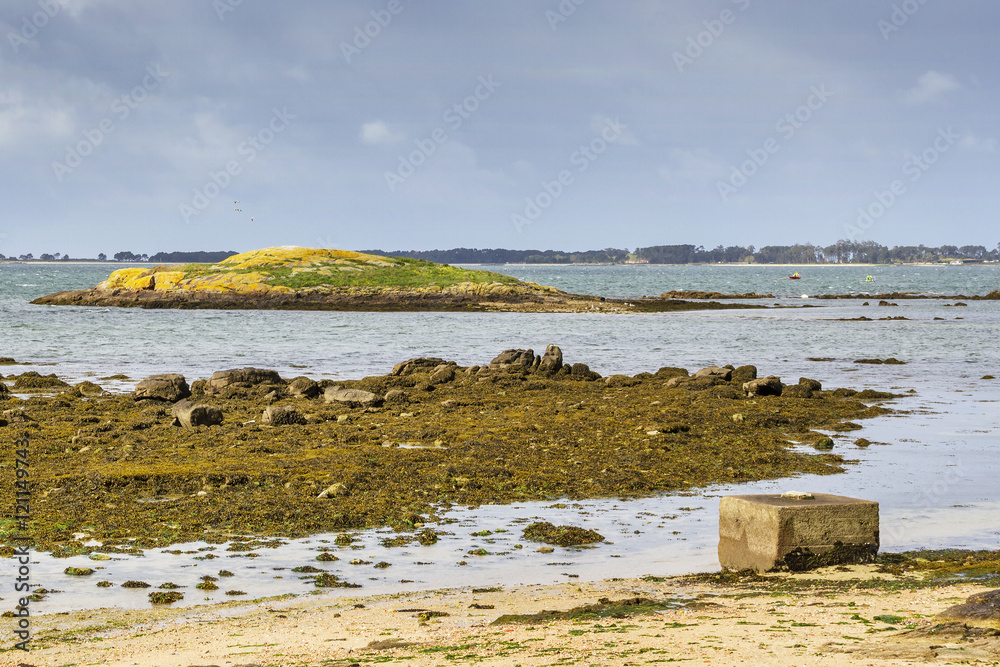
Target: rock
241 377
981 610
418 365
283 415
443 374
620 381
813 385
337 490
355 398
744 374
768 386
168 387
772 532
672 372
4 391
715 372
513 360
32 381
551 361
395 396
88 388
189 414
303 387
796 391
583 372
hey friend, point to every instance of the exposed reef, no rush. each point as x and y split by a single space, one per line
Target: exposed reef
130 472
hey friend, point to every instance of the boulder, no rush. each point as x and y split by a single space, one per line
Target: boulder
513 360
813 385
669 372
189 414
981 610
616 381
744 374
551 361
354 398
715 373
240 377
418 365
4 391
796 391
583 372
395 396
168 387
283 415
87 388
768 386
443 374
303 387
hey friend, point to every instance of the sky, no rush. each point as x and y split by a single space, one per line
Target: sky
148 126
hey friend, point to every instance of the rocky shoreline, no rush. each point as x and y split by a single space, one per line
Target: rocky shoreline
247 452
479 298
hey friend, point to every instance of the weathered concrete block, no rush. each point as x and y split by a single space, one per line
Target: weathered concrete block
772 532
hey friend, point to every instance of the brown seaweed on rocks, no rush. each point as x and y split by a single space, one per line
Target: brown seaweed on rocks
528 428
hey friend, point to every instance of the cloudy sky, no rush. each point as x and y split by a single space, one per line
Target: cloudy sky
567 124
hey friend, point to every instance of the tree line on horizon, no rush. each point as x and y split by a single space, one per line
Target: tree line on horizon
841 252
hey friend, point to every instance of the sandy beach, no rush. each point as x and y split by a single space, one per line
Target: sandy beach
837 616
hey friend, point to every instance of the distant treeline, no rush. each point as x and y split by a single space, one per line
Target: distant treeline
842 252
192 257
502 256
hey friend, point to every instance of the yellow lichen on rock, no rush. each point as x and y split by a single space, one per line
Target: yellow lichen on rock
167 280
121 278
242 283
292 256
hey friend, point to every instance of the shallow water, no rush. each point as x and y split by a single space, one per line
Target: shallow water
935 477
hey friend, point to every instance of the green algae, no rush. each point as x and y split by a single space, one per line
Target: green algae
120 472
563 536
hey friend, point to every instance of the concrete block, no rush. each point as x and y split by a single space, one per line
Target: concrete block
796 531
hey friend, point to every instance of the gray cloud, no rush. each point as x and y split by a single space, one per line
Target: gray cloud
368 81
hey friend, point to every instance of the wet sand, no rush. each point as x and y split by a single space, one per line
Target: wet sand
837 616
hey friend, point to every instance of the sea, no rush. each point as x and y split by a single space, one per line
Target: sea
935 469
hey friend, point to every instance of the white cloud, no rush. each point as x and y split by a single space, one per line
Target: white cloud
379 134
930 87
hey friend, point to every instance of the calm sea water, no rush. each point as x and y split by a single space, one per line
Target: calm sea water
936 476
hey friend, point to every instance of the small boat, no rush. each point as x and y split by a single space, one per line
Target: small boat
795 276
